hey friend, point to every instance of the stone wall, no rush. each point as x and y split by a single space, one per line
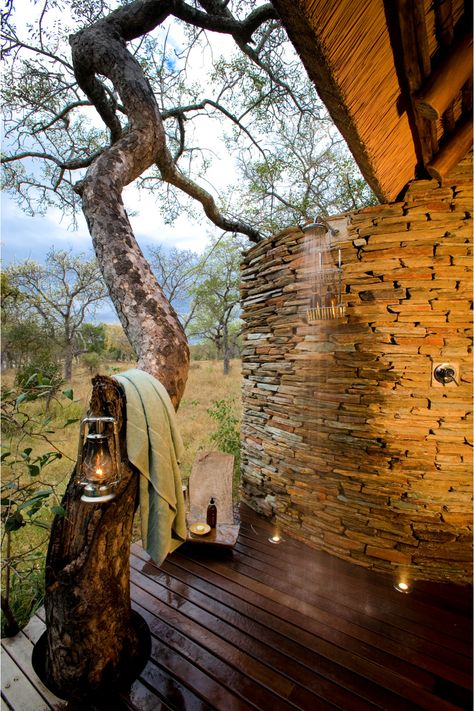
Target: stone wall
348 442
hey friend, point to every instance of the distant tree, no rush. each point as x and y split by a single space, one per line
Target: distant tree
23 337
176 271
310 172
217 296
117 344
61 293
91 338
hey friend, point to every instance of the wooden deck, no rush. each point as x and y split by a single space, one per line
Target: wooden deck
278 627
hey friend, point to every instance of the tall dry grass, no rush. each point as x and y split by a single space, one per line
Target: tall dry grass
206 385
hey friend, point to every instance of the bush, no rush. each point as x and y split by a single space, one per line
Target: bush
40 373
40 379
227 435
27 500
91 361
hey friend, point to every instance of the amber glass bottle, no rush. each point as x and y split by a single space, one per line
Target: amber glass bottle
212 513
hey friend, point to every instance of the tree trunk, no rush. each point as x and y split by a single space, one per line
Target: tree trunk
147 317
68 359
91 641
225 348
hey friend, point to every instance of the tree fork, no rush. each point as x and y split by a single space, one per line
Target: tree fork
91 642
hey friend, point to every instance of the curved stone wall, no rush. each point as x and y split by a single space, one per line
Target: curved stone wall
347 440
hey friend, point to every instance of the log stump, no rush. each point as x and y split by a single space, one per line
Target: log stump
93 642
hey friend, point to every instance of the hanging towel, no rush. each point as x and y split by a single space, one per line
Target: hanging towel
154 447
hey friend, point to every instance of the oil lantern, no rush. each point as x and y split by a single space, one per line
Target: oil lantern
98 460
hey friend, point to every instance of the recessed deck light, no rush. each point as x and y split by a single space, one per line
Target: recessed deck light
402 587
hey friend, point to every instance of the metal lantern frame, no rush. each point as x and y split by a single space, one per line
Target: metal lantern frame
95 492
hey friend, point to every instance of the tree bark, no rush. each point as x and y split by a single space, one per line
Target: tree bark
225 348
90 640
148 319
68 360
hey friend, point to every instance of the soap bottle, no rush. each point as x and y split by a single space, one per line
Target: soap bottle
212 513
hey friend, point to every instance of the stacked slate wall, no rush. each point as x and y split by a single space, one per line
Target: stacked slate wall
347 439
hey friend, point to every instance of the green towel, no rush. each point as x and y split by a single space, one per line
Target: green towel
154 447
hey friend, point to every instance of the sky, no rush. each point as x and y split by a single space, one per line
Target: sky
24 237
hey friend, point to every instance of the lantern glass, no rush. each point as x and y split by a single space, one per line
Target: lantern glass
97 467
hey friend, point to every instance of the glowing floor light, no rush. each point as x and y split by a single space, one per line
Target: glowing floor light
402 586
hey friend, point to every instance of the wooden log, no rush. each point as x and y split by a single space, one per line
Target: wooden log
408 34
446 82
453 151
91 641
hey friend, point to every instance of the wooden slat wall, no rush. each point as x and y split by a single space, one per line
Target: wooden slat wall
278 628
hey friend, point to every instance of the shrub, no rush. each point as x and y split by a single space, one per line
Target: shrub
227 434
91 361
26 498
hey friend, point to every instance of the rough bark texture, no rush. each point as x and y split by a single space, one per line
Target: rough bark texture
90 637
147 317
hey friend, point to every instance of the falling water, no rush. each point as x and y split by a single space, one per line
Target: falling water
323 315
324 274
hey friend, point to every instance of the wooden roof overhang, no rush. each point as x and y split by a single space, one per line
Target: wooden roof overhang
396 77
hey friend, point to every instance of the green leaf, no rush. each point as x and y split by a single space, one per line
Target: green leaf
58 510
69 393
42 524
32 379
14 522
5 502
33 469
21 398
26 453
34 501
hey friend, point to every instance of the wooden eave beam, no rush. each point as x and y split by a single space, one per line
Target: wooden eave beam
407 28
453 150
446 82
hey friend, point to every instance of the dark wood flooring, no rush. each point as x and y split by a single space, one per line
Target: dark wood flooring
279 627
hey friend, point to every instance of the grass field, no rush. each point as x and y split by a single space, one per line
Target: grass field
206 385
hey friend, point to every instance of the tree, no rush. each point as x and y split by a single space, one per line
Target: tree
310 173
117 68
117 344
62 292
139 87
91 338
217 295
177 271
24 340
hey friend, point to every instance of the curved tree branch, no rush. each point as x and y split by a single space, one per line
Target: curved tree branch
72 164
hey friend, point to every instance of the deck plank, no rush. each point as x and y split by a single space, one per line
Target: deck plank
417 667
252 644
420 610
281 628
17 688
20 649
